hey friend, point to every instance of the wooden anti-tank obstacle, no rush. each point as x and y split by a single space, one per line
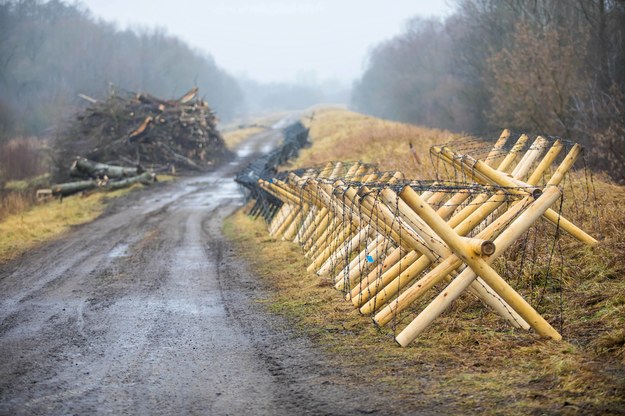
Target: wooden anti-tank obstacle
386 241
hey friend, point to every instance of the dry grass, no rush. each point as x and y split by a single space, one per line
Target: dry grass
469 356
22 231
340 134
234 137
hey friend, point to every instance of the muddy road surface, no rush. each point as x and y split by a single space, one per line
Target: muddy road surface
147 310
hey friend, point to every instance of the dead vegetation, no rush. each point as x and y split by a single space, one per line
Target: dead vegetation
139 129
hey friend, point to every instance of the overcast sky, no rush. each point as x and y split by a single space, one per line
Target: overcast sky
276 40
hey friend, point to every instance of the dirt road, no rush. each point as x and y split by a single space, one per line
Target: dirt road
147 311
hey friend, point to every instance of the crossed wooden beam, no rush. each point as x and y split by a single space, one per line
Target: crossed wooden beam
386 242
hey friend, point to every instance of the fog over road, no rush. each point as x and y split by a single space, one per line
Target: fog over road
147 310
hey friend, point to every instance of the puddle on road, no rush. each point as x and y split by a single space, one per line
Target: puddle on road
267 147
120 250
244 151
215 193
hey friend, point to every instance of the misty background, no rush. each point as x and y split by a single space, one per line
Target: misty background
546 66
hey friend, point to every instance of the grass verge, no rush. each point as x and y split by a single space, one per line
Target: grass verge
22 231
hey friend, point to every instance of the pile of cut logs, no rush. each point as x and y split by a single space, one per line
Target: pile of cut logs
96 175
139 129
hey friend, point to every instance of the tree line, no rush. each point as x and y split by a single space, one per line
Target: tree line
52 51
540 66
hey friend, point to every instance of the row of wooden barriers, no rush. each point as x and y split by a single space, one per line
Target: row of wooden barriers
387 241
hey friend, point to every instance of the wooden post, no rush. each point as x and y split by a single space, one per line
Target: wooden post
486 174
504 166
389 261
279 217
339 256
358 261
544 164
526 162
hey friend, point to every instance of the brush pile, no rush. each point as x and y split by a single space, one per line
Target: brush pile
139 129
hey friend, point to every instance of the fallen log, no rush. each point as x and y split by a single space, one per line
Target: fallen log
85 168
70 188
146 178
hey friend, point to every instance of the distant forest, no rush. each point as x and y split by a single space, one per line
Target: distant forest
50 52
538 66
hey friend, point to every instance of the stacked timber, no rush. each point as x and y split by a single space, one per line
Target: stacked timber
137 128
101 176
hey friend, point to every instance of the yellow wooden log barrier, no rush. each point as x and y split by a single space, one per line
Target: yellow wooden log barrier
493 158
287 222
545 163
308 220
319 250
351 171
289 211
522 170
389 261
338 258
496 154
533 153
326 171
348 201
343 251
376 281
335 214
328 244
452 204
462 282
411 272
279 217
327 236
320 223
323 233
479 246
280 192
291 230
374 296
335 169
486 174
328 210
351 224
336 172
478 265
436 275
507 162
362 170
370 258
291 200
407 263
339 280
396 282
